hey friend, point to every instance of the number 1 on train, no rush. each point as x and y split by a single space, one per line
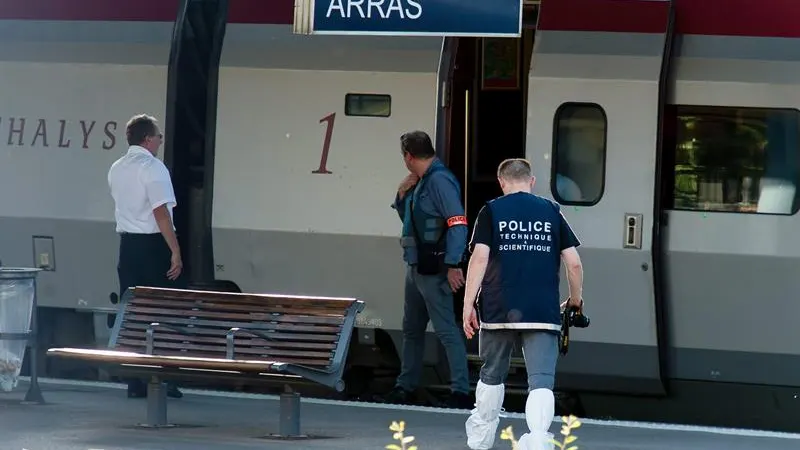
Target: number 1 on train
326 145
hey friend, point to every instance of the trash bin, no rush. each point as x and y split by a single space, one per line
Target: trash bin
17 299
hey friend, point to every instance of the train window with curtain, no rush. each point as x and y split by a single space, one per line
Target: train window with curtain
579 154
742 160
368 105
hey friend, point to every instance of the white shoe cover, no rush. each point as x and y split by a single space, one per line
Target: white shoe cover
536 441
539 412
481 426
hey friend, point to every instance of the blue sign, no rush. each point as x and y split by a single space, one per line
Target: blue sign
418 17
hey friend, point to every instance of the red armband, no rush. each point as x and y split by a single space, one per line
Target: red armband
456 220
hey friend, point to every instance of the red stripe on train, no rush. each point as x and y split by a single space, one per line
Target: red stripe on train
767 18
633 16
240 11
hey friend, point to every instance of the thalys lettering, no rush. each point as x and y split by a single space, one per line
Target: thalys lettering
57 133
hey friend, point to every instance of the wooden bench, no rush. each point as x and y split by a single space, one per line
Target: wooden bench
169 334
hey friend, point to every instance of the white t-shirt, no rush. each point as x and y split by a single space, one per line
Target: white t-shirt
139 183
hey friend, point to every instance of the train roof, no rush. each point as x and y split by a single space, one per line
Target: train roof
764 18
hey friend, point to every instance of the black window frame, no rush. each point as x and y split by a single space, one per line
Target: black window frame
555 153
348 112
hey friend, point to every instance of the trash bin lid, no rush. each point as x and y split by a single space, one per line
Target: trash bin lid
18 273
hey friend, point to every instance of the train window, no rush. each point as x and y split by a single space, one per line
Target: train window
744 160
579 154
368 105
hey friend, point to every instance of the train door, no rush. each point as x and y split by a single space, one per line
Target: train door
483 116
594 104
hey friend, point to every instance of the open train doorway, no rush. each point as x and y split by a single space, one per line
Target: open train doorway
483 116
485 111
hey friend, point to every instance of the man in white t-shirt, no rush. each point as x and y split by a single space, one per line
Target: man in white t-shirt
149 254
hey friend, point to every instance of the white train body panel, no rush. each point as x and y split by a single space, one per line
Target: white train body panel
267 183
279 227
76 95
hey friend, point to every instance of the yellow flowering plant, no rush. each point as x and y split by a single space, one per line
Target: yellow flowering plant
507 434
398 428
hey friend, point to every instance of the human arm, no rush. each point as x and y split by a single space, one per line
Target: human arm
480 247
158 187
572 262
574 276
446 197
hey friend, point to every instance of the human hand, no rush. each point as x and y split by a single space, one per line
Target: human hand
456 278
408 182
176 266
573 303
470 321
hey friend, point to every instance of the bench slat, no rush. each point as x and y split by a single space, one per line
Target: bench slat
230 324
276 335
247 308
242 340
220 349
123 357
289 300
320 364
253 316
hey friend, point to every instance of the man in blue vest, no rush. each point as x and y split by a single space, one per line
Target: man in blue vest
434 238
517 247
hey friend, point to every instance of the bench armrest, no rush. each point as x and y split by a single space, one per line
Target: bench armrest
151 331
231 335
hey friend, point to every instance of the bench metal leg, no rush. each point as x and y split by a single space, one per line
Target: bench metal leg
290 415
156 404
34 394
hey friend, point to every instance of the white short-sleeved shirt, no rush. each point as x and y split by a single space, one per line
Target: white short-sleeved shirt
139 183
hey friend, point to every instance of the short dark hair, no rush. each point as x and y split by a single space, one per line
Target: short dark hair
139 128
516 169
417 144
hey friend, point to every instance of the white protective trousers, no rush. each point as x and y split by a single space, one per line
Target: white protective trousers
481 425
539 412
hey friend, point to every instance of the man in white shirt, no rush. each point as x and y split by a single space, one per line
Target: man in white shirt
149 254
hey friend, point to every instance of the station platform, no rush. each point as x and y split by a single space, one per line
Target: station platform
98 416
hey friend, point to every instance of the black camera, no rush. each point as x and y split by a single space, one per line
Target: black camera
573 317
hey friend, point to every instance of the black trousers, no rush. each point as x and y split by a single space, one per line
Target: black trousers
144 260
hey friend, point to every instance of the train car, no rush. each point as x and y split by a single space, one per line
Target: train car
667 130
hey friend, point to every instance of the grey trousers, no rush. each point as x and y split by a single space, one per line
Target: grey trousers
539 347
429 298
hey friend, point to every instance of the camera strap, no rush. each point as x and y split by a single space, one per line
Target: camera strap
563 343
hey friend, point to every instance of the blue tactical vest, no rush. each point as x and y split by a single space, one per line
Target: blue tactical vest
430 228
520 288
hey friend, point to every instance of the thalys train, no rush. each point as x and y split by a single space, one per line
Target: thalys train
668 131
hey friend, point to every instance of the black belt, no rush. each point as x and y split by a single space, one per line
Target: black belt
126 233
